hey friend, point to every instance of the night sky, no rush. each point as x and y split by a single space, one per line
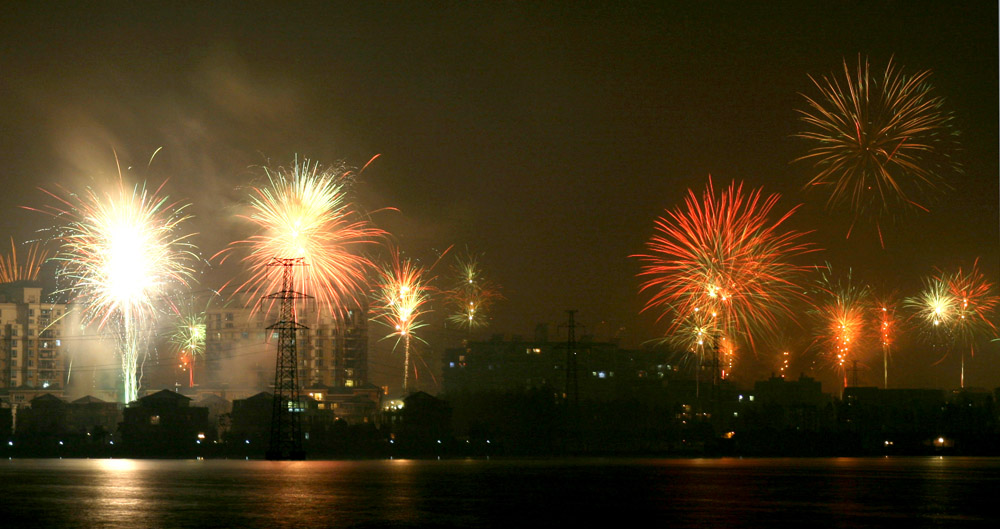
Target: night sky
548 137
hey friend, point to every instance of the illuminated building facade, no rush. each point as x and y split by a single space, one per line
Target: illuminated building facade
32 351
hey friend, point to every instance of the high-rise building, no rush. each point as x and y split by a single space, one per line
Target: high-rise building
239 348
32 351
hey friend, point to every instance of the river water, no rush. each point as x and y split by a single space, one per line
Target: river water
848 492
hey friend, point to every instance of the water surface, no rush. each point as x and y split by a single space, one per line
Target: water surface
849 492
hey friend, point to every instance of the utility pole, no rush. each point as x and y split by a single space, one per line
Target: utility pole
286 418
572 382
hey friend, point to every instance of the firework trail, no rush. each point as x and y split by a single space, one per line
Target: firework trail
121 252
887 325
842 310
473 294
722 265
879 140
957 308
401 296
12 270
189 334
304 213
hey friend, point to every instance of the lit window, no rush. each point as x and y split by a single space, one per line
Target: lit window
154 419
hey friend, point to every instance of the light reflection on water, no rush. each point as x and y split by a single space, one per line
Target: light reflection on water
476 493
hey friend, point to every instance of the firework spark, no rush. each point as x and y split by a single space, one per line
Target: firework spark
887 325
722 265
121 251
304 213
880 139
189 335
843 314
400 301
957 309
12 270
473 294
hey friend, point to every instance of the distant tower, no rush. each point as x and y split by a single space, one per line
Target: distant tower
572 383
286 418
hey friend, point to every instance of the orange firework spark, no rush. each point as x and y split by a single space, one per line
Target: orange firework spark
11 269
879 139
974 303
959 307
304 213
887 326
721 262
400 301
842 313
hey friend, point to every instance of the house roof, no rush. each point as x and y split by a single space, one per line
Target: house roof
46 398
88 400
165 395
211 398
263 395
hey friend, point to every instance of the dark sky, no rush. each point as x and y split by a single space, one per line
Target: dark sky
547 136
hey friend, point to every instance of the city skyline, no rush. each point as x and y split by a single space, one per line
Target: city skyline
546 137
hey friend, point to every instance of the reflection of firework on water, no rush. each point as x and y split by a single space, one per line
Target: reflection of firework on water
121 251
304 213
721 261
957 308
879 139
402 293
842 310
473 294
887 325
12 269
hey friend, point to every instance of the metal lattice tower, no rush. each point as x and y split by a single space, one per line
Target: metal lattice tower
286 419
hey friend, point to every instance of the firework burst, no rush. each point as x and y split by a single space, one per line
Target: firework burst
399 303
121 252
473 294
304 213
957 309
842 312
722 265
11 268
880 139
189 334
